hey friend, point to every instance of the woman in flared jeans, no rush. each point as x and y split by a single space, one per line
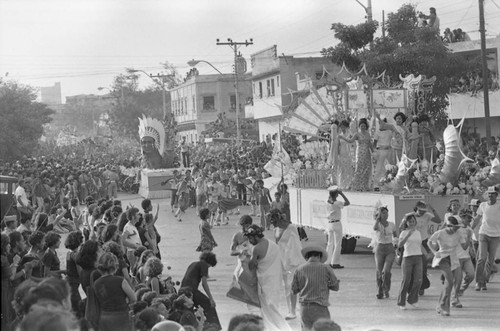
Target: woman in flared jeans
412 265
384 251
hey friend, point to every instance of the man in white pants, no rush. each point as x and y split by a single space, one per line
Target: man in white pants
334 245
382 140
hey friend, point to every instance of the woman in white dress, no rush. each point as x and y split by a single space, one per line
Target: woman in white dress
266 259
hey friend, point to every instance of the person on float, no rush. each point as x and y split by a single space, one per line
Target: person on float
345 168
443 243
385 233
427 143
411 266
334 245
382 144
399 141
489 236
363 169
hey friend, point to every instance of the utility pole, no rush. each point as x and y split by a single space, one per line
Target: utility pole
486 97
368 10
160 78
369 13
235 45
383 24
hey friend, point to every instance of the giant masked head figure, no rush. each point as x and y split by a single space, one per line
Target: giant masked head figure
152 136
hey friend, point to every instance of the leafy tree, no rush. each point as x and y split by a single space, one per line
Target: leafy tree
407 49
353 41
132 103
21 119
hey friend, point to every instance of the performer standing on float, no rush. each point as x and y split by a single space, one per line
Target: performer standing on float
399 140
345 169
382 143
363 172
427 142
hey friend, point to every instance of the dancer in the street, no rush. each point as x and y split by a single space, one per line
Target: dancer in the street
411 267
443 244
287 238
385 232
266 259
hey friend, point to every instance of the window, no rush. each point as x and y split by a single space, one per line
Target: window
270 87
209 103
232 102
278 81
260 90
194 104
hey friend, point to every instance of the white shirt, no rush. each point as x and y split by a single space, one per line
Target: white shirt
464 233
334 210
423 224
383 138
413 244
490 225
130 232
20 192
384 233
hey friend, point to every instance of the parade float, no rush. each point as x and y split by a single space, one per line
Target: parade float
315 165
157 159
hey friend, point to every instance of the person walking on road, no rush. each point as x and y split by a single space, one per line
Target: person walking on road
489 236
385 232
288 240
312 282
411 267
443 244
266 260
334 245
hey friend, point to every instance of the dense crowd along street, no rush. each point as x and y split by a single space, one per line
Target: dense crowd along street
353 187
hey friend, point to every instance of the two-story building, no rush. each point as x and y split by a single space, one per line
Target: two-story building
274 79
467 98
201 99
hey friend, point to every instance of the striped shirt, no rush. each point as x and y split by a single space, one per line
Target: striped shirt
313 281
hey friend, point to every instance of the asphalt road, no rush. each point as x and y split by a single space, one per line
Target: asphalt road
353 307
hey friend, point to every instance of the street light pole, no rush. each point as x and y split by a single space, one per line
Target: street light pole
235 45
194 62
158 79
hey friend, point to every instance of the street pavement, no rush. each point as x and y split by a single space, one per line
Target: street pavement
353 307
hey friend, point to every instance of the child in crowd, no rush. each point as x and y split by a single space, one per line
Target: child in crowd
207 242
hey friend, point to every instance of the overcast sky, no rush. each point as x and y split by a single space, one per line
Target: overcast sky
85 43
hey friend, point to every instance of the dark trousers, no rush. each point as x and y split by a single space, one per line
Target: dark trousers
202 300
411 267
311 312
185 159
173 199
242 192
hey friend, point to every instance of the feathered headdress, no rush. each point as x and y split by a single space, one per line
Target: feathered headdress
151 127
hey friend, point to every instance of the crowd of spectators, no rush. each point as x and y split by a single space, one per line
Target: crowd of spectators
455 36
473 82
